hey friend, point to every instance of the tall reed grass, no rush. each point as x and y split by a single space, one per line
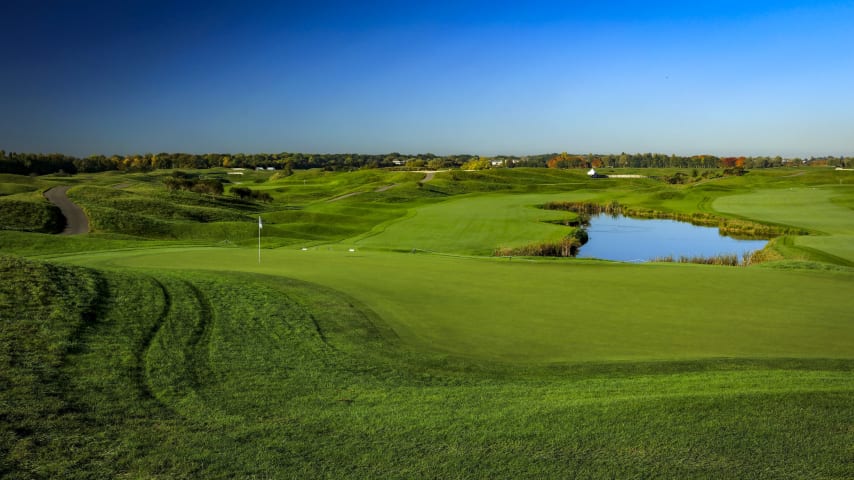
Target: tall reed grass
566 247
726 226
731 260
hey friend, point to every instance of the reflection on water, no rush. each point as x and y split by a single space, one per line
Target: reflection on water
638 240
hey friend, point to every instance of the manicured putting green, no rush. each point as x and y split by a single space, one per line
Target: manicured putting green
475 225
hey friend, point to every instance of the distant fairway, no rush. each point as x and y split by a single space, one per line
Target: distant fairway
827 210
475 225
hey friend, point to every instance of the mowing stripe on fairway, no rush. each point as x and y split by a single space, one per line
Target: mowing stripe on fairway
561 311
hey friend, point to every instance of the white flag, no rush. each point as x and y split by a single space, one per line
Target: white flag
260 225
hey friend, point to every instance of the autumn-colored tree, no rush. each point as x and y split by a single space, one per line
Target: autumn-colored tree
477 164
733 165
559 161
728 162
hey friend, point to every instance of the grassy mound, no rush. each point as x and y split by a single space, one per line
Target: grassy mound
151 211
30 212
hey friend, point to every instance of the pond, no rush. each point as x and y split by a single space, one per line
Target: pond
638 240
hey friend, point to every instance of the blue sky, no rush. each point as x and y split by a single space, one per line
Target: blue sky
726 78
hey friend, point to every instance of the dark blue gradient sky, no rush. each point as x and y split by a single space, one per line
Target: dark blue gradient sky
728 78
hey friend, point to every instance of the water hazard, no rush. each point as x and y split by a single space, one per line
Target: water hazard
638 240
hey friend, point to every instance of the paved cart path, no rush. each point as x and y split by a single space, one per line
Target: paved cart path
342 197
76 221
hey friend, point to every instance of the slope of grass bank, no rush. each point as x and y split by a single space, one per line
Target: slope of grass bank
43 310
827 210
31 212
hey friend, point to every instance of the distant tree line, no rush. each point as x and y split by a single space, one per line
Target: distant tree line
40 163
660 160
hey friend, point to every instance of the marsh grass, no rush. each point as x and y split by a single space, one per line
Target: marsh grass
726 226
722 260
566 247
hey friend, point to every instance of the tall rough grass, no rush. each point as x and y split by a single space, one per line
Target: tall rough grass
43 310
731 260
30 215
566 247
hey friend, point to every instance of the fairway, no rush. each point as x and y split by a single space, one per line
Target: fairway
242 371
475 225
827 210
824 209
550 311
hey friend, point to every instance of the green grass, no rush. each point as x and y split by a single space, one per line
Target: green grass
13 188
177 377
152 211
822 209
29 211
125 353
474 225
43 309
15 184
561 311
307 206
827 210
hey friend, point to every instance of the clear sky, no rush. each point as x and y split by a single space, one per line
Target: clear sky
129 76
